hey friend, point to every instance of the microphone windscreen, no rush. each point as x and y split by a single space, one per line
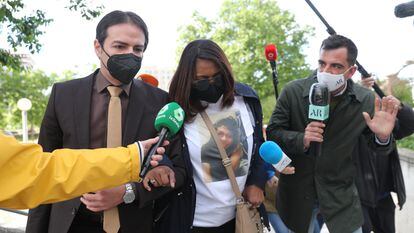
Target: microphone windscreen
270 152
271 52
171 116
404 10
319 94
319 98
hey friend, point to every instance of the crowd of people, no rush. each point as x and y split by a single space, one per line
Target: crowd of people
346 186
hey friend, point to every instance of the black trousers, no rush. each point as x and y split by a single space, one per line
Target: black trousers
228 227
380 219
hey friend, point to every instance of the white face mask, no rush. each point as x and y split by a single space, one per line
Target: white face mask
333 81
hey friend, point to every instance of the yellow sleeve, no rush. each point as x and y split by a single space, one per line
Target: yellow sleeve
30 177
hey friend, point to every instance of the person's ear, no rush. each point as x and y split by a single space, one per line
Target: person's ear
351 72
97 47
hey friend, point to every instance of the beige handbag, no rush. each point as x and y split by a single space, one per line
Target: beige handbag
247 218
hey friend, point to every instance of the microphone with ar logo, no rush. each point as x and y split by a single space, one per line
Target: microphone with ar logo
319 98
168 122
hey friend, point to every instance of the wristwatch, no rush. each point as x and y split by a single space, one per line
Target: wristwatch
129 195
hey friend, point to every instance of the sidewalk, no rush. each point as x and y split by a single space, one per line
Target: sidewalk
12 222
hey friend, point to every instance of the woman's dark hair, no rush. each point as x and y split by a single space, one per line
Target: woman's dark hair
119 17
185 74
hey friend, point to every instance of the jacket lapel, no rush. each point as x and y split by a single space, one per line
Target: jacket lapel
82 108
134 113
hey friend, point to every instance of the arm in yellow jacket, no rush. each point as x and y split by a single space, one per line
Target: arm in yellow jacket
29 176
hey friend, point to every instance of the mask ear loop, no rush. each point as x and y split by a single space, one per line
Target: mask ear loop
106 55
349 69
311 93
105 52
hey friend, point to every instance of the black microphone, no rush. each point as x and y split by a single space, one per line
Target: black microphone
404 9
319 98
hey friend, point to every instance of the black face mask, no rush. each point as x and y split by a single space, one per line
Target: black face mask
210 92
123 67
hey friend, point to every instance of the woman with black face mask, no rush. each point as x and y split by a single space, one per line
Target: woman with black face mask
204 81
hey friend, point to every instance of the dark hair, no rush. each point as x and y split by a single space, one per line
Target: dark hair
119 17
181 82
231 124
338 41
233 127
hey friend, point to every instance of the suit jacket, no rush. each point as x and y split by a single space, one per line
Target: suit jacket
66 125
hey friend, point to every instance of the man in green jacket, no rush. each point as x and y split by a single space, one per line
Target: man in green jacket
325 183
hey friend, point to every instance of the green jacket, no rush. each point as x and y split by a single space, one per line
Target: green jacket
327 180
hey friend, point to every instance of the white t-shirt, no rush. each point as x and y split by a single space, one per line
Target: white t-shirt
216 201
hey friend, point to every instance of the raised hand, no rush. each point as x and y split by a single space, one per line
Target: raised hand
383 121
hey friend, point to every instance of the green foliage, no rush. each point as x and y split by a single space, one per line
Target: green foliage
407 142
34 85
24 31
402 90
88 12
21 31
200 27
242 29
10 60
268 105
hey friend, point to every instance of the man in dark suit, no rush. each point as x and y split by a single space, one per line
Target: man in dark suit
77 117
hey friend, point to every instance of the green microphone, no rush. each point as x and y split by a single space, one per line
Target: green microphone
168 122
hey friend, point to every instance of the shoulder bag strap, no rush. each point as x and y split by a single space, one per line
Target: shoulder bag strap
224 158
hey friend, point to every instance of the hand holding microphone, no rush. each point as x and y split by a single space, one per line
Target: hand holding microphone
319 98
313 133
146 145
168 122
368 82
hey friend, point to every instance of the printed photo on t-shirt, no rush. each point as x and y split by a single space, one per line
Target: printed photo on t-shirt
232 135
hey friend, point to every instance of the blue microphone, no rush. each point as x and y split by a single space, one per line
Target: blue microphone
271 153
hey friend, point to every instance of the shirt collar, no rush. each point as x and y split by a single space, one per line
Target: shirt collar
102 83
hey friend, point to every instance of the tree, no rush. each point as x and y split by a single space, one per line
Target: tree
399 85
34 85
400 88
24 31
242 29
